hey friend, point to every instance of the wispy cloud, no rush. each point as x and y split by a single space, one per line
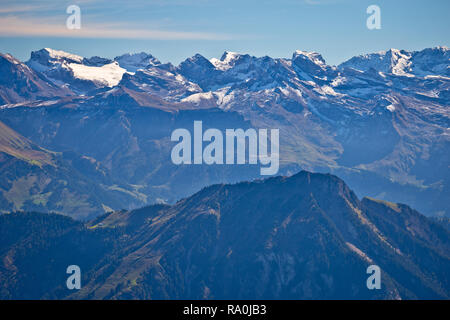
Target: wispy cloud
17 9
47 18
18 26
319 2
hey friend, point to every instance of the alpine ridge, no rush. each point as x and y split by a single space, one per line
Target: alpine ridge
379 121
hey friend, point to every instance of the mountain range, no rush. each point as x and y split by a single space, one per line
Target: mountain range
83 136
306 236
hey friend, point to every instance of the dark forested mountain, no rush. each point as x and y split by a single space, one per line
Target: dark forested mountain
301 237
380 121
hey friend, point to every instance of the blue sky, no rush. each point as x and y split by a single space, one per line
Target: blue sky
173 30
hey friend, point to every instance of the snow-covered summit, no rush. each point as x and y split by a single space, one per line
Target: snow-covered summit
227 60
74 71
427 62
310 64
432 61
62 55
393 61
312 56
237 71
136 61
46 59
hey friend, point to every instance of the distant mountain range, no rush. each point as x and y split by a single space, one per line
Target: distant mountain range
301 237
82 136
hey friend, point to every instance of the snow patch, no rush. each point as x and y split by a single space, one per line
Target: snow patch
137 61
226 62
58 54
108 75
391 108
199 97
313 56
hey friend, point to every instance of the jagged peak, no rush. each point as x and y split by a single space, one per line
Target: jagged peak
229 56
195 67
137 55
197 59
393 61
42 60
311 55
135 61
59 54
10 58
227 60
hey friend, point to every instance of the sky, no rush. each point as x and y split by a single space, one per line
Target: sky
173 30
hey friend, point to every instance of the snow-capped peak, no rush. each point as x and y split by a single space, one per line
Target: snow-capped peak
226 61
135 61
46 59
393 61
10 58
428 62
229 56
310 64
62 55
314 57
66 68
